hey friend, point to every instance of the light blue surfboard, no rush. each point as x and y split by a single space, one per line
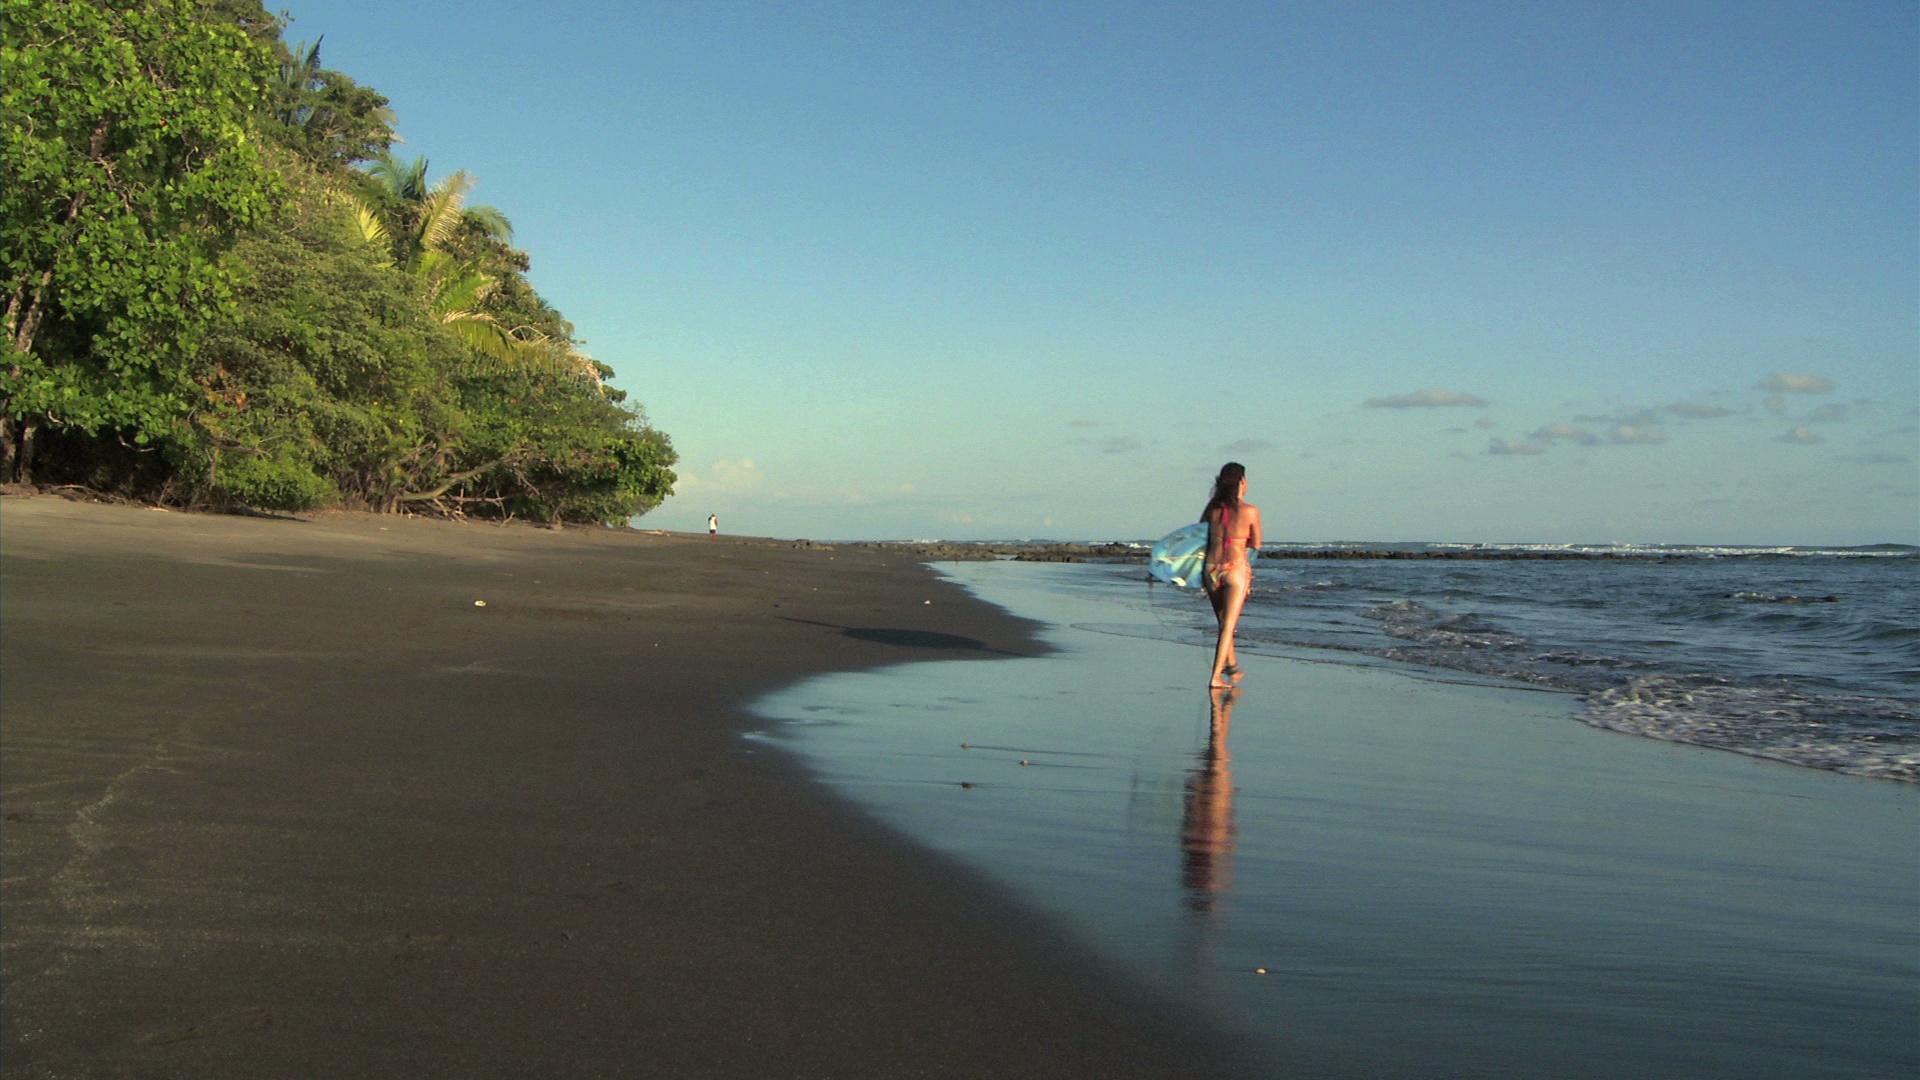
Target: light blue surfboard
1180 557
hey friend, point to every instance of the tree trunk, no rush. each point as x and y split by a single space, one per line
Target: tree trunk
452 481
23 456
23 320
6 450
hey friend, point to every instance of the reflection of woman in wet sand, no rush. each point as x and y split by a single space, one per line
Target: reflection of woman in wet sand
1206 828
1233 524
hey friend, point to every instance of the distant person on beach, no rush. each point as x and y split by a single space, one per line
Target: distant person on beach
1233 524
713 525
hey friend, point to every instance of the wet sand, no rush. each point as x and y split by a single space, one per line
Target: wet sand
281 800
1385 873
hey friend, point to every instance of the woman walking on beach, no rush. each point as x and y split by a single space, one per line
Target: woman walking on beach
1233 524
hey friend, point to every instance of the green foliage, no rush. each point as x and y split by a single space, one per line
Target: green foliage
418 223
205 299
568 452
274 483
332 361
129 164
325 115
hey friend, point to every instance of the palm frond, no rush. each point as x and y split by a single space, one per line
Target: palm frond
514 350
306 63
441 210
372 229
294 84
461 288
492 222
556 356
404 181
436 266
484 334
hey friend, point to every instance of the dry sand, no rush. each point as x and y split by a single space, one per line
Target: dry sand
280 800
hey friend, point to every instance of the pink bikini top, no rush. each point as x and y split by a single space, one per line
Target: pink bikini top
1226 513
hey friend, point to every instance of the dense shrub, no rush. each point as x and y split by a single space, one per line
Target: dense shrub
209 299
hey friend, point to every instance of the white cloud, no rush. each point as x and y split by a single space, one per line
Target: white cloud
1246 446
1565 431
1692 411
1635 418
1782 382
1878 459
724 477
1640 436
1775 405
1503 448
1828 413
1483 423
1083 423
1120 444
1426 399
1802 435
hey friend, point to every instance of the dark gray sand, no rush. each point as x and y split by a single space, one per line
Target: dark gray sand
280 800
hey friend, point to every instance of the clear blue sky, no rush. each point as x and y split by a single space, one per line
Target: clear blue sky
1441 271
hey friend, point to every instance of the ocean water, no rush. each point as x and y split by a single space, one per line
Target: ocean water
1368 866
1808 656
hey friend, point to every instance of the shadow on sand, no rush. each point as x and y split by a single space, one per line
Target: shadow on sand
909 639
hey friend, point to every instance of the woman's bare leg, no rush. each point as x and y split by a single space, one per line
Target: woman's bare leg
1218 598
1233 598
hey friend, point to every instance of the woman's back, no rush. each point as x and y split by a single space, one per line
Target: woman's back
1231 527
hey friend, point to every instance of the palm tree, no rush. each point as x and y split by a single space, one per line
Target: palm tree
327 116
415 224
297 84
417 219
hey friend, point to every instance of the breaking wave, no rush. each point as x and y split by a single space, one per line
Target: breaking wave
1849 733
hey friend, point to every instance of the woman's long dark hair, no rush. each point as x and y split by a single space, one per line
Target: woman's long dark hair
1226 487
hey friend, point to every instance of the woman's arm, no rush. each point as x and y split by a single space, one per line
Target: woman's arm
1254 534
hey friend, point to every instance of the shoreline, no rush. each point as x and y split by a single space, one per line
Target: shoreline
1062 552
282 799
1447 878
1054 551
